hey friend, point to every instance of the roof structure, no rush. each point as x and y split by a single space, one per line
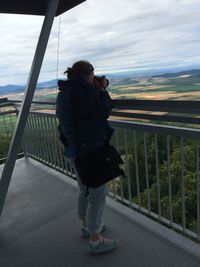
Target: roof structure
35 7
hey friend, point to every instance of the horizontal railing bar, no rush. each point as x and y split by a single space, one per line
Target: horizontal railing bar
6 104
192 107
158 105
136 102
8 112
42 114
162 109
160 129
168 118
35 102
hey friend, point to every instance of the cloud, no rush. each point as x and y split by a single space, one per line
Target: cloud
114 35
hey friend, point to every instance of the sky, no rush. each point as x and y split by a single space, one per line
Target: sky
114 35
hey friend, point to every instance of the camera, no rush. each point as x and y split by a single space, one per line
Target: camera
102 80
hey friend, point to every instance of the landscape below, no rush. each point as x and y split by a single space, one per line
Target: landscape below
183 85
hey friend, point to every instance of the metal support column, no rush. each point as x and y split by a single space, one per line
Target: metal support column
25 107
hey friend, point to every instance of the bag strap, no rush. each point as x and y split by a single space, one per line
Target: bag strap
75 113
76 101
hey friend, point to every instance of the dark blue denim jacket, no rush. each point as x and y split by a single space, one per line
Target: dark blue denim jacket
83 111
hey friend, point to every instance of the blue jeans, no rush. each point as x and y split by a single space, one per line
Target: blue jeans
90 208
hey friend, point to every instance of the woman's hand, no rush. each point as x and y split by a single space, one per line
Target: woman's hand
101 83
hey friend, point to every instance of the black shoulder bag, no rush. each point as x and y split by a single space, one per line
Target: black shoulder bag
98 166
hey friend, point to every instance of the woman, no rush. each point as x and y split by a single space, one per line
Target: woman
83 107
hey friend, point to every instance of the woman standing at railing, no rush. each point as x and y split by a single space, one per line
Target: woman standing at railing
83 106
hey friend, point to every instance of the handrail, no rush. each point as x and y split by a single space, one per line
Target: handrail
34 102
171 111
8 112
6 104
177 131
42 114
159 105
149 105
161 129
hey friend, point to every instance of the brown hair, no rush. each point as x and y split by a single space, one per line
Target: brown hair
79 68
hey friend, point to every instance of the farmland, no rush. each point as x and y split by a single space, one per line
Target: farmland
175 87
170 86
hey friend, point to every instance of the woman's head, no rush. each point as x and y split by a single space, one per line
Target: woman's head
80 68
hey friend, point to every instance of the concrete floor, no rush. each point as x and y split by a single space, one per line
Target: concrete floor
39 228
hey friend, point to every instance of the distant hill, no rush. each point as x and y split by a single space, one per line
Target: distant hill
127 77
10 88
49 84
181 73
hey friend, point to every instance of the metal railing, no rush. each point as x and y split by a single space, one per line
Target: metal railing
8 115
158 111
162 167
41 140
161 163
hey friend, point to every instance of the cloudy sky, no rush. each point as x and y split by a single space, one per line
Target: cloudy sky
113 35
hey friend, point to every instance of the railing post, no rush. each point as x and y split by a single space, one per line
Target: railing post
24 111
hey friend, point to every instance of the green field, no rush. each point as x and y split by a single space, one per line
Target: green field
180 87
